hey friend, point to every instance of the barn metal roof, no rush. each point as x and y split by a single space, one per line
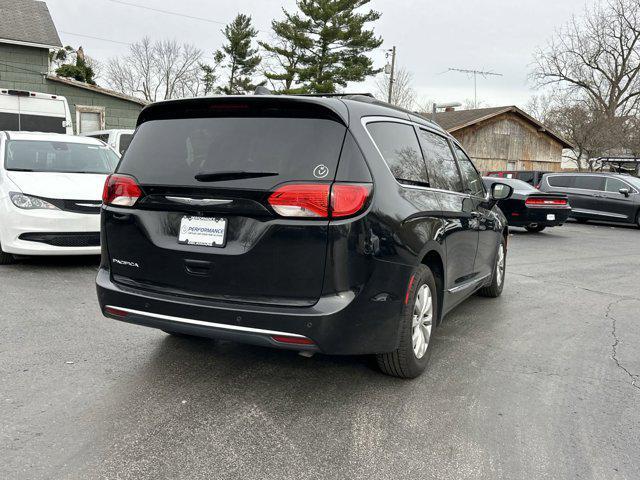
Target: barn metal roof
27 22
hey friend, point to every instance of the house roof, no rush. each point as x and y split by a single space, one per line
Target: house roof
459 119
96 89
27 22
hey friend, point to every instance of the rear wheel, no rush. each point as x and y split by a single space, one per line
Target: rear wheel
497 279
535 228
6 258
418 319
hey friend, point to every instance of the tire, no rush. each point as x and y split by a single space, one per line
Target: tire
410 359
6 258
494 290
535 228
638 219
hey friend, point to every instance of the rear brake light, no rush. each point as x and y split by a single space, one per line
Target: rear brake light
542 202
348 198
303 200
319 200
121 190
293 340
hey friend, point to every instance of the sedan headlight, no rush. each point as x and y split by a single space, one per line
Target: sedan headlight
28 202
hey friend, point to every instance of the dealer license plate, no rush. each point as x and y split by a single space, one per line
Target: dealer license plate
208 232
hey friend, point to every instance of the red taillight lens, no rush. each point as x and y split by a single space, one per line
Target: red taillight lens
304 200
115 311
121 190
348 199
544 202
319 200
293 340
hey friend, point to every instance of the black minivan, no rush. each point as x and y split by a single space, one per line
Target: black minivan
598 196
333 225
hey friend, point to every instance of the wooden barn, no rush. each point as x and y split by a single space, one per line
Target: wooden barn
504 138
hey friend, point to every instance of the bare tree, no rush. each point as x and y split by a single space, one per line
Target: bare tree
156 71
591 131
403 94
597 57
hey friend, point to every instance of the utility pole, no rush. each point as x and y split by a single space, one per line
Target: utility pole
392 73
475 74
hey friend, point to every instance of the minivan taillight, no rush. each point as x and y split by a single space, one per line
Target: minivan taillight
320 200
301 200
121 191
348 198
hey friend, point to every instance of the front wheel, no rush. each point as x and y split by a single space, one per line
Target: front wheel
494 290
535 228
638 219
417 321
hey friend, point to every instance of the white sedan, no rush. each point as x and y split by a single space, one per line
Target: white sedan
50 193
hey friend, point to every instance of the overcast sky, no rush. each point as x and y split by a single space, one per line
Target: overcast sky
430 36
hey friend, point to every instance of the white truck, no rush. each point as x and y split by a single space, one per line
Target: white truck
21 110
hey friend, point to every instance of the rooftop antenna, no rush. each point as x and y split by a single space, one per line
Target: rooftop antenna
475 74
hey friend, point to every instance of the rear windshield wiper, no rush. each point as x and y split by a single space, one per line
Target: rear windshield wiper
232 175
20 170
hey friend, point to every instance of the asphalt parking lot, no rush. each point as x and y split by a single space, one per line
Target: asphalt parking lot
542 383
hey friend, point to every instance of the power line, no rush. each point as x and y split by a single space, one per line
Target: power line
96 38
167 12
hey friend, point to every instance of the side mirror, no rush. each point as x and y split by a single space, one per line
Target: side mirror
624 191
498 191
501 191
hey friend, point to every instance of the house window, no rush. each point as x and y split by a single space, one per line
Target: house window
89 118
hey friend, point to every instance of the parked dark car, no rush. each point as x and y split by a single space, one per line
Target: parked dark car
532 177
334 225
598 196
530 208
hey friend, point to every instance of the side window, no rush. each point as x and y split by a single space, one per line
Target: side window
589 182
564 181
401 151
614 185
469 172
441 165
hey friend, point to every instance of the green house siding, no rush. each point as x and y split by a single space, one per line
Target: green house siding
25 68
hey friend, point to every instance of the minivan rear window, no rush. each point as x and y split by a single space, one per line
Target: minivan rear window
174 151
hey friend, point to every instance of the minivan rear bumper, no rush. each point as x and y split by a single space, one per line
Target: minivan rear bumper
339 324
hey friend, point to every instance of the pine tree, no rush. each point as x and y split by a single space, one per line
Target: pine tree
328 40
241 57
285 52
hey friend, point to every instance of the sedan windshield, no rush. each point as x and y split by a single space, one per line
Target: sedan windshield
68 157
